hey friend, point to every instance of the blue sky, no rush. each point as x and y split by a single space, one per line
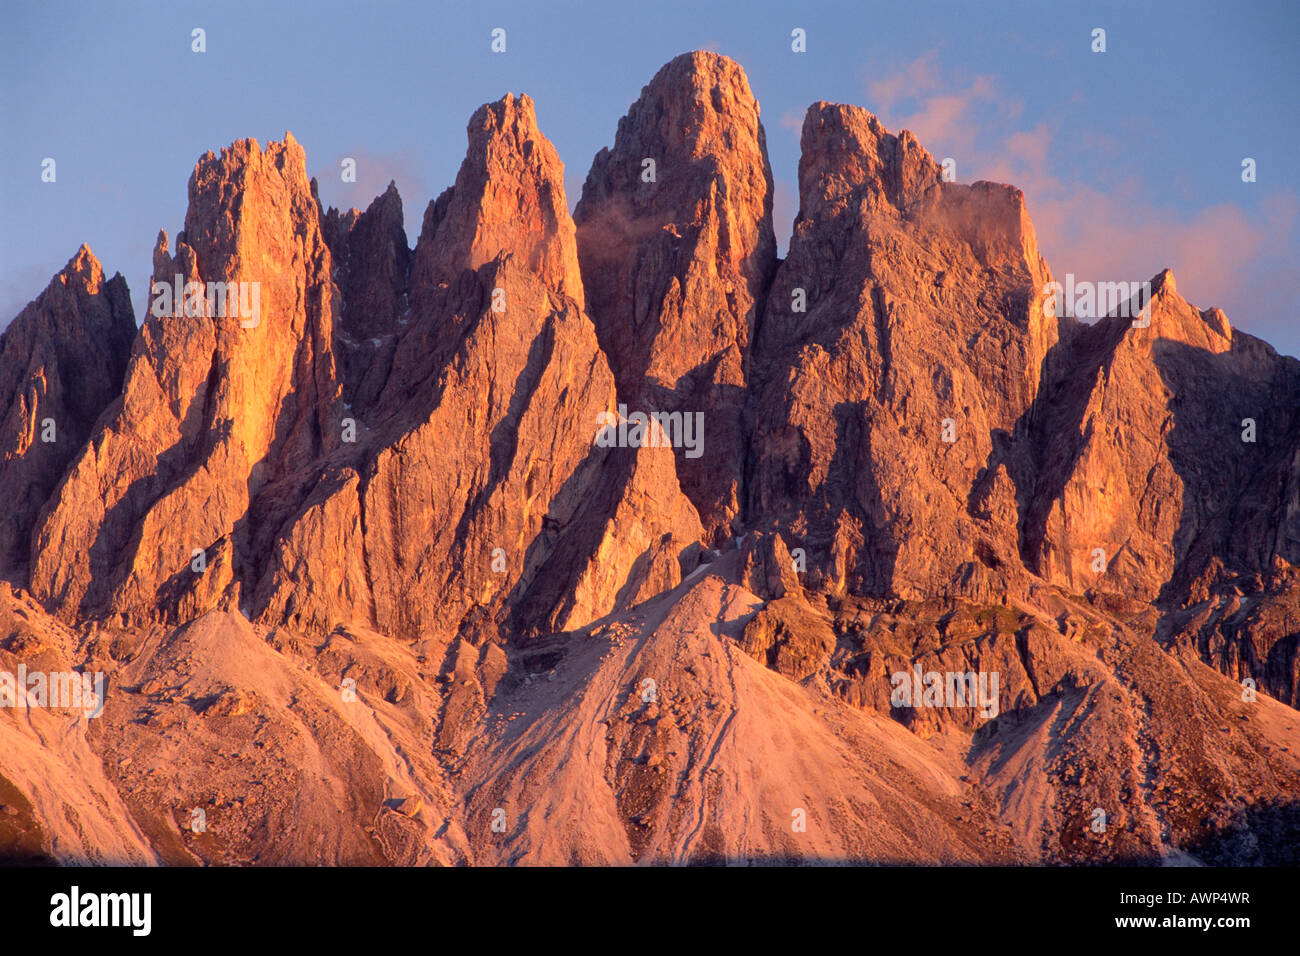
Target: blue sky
1130 159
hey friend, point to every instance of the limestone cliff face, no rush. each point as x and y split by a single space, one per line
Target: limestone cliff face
216 404
475 489
1153 450
509 196
899 352
676 244
392 530
61 364
1166 471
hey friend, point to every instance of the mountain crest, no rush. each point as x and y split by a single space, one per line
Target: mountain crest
62 361
675 224
846 150
231 384
1173 317
619 526
508 196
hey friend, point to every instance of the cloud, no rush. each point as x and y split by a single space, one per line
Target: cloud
912 79
948 120
945 117
106 188
1222 255
1235 256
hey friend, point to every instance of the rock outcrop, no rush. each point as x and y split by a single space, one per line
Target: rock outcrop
676 244
508 196
1153 438
901 347
1165 461
372 268
61 364
220 399
476 493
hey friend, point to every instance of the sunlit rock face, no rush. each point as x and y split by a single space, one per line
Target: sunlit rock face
676 245
385 556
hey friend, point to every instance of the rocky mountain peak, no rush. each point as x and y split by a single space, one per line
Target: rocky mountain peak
696 107
1174 318
372 269
231 384
675 223
508 197
695 127
845 150
85 267
243 197
62 360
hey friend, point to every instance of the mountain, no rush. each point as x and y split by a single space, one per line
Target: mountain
676 244
613 538
62 361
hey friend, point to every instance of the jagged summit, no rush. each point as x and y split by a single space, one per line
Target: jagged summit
395 553
83 261
220 396
675 225
371 265
1174 318
846 149
508 197
62 360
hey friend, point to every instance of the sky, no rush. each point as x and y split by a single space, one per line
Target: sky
1130 159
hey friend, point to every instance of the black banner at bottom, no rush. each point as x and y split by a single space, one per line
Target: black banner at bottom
337 906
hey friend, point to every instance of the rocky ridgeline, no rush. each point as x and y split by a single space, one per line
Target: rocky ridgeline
392 530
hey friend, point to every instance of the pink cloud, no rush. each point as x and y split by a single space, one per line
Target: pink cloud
1223 254
919 76
945 118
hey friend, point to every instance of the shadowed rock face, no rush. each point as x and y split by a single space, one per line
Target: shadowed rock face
61 364
372 268
901 345
676 256
1165 465
1150 453
475 492
441 618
